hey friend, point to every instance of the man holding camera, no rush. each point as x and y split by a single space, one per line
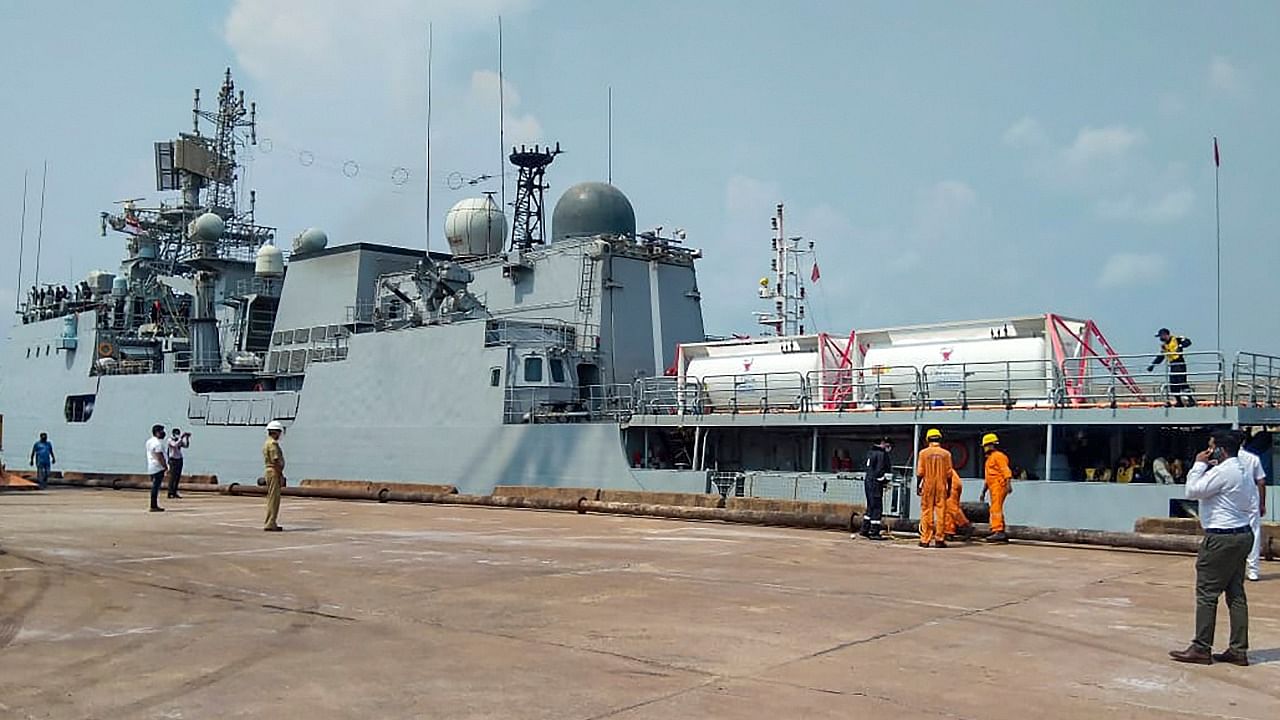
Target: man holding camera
179 441
1228 502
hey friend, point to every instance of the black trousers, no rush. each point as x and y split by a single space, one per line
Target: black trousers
156 479
175 473
1178 377
874 490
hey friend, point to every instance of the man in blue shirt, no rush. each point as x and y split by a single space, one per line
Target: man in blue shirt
42 457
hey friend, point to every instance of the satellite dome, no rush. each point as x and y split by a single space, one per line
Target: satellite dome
310 240
208 227
269 262
475 226
592 208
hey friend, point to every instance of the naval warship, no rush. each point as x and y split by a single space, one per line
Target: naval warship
577 359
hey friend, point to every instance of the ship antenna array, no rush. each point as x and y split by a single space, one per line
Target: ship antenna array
232 115
529 226
787 290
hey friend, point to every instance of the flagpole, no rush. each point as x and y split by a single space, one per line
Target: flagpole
1217 222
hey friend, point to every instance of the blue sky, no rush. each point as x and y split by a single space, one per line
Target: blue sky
951 160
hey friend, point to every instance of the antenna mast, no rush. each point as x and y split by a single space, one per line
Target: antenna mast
787 290
22 241
430 47
40 225
502 123
529 228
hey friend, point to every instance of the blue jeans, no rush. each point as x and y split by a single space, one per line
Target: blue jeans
42 476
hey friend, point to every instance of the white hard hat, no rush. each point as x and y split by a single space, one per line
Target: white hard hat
275 425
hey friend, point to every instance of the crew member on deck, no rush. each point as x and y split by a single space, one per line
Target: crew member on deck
1171 347
999 482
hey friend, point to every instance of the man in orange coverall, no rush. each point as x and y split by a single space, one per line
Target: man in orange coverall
999 483
957 523
933 475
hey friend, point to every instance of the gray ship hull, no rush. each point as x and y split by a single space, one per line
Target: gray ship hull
399 408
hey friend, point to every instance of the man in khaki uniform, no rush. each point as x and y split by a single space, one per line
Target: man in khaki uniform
273 459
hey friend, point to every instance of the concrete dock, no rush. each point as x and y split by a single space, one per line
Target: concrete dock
361 610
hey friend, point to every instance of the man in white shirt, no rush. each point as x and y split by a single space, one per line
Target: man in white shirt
179 441
157 464
1228 503
1252 465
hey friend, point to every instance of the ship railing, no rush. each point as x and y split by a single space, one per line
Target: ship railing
1256 380
999 384
1125 381
886 387
567 404
608 401
533 331
667 395
752 393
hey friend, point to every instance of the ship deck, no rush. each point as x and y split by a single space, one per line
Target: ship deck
397 611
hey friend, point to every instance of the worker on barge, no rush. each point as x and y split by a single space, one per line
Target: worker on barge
999 483
933 478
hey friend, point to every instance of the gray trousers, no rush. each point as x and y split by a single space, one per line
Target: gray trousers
1219 570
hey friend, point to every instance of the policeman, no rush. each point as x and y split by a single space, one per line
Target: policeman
1171 347
999 482
273 473
879 463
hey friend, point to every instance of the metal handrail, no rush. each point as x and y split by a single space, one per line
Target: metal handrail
1099 384
1255 380
1003 383
754 392
844 389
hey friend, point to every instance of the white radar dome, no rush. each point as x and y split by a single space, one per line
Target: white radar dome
310 240
208 227
476 226
269 262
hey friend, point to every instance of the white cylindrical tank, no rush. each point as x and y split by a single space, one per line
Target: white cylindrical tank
983 369
752 375
310 240
475 226
269 262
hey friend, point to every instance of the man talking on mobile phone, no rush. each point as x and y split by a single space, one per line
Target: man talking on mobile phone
1228 502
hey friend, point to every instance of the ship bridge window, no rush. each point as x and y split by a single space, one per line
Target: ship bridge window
495 377
557 370
533 369
78 408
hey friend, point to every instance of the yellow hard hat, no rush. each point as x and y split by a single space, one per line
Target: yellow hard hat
764 282
933 434
990 439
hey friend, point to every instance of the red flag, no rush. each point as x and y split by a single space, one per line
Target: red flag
1217 160
813 276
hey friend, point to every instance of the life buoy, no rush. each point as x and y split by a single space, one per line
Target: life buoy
106 349
959 453
257 387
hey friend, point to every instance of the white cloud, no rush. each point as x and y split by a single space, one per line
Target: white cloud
1106 166
944 211
1225 77
1133 269
1026 133
1168 207
483 97
348 83
1093 146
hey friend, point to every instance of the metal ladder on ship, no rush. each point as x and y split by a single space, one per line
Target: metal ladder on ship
586 295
